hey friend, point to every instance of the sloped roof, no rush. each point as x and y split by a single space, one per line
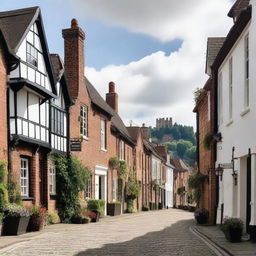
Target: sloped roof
213 47
134 132
14 25
237 7
179 164
58 70
151 147
116 120
57 65
97 99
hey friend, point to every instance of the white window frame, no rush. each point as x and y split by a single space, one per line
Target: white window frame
88 189
121 150
220 113
209 105
84 121
230 88
52 178
114 190
246 72
24 177
103 125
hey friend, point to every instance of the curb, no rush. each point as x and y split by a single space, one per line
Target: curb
216 248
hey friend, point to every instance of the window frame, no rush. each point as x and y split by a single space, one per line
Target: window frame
114 190
24 178
52 178
33 60
121 150
84 121
246 72
103 133
88 188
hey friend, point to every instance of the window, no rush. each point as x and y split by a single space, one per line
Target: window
84 121
209 105
246 89
230 88
57 121
52 178
24 177
121 150
88 189
32 55
103 134
220 118
114 189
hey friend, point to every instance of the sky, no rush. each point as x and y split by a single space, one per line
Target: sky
154 51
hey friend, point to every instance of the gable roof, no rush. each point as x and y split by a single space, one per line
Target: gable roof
14 25
213 47
58 69
151 147
179 164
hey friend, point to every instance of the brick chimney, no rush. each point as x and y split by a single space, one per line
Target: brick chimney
145 132
112 97
74 57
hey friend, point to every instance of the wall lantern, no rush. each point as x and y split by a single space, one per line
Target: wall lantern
219 171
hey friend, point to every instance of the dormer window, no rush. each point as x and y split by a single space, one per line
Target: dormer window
32 55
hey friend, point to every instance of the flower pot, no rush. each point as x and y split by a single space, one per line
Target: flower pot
36 223
233 235
15 225
96 218
113 209
201 219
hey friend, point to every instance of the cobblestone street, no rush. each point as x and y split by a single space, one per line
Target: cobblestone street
162 233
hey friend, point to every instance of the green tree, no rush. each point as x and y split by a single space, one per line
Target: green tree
172 146
191 153
181 149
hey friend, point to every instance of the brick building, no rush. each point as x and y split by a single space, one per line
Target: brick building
206 116
95 122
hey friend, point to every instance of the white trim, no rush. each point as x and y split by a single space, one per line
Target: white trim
101 170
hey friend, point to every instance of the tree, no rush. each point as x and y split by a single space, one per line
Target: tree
172 146
191 153
181 149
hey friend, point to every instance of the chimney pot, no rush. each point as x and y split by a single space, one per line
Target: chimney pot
74 23
111 87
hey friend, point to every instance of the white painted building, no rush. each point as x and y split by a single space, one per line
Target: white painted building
236 72
169 184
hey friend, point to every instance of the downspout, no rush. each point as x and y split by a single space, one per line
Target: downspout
215 129
197 140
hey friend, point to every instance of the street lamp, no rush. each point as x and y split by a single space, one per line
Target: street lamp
219 172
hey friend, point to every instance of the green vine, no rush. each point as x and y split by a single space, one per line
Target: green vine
71 178
120 165
181 191
155 185
208 139
133 190
196 182
3 184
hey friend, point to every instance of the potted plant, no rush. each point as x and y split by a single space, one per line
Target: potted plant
37 219
94 216
96 206
201 216
232 228
78 218
145 208
16 219
114 208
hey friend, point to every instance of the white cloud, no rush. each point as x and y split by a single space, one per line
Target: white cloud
160 85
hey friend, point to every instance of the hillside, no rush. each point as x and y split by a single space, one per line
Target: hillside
180 140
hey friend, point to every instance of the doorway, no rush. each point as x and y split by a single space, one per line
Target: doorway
248 193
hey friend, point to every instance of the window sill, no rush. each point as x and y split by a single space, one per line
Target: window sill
245 111
27 198
230 122
84 137
104 150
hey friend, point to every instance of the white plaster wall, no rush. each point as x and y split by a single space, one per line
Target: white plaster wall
240 131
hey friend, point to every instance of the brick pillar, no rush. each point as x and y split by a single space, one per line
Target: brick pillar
34 178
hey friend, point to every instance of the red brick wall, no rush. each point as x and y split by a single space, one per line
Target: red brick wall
3 104
206 156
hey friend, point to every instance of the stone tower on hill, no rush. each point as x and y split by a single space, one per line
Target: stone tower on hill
162 122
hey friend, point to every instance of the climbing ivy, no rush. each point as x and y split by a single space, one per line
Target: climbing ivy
71 178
